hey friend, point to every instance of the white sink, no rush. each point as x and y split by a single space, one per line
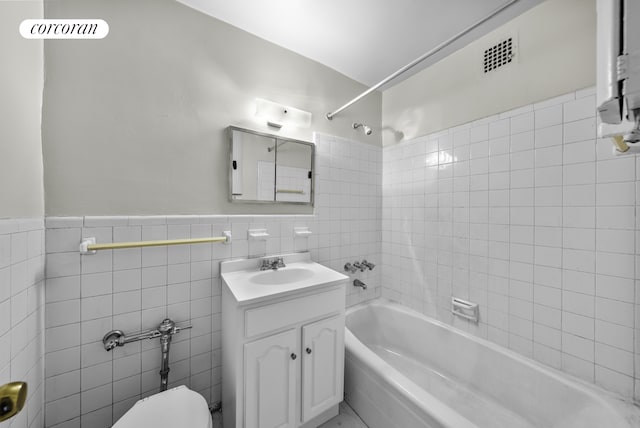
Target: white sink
249 284
281 276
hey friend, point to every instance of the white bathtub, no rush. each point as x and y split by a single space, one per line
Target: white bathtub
405 370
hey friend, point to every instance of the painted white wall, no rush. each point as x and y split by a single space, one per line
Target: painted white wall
556 55
21 74
135 123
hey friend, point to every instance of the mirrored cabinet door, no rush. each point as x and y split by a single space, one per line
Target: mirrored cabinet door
266 168
253 166
293 172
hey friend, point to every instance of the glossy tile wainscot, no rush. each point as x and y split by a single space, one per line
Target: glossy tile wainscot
530 215
22 313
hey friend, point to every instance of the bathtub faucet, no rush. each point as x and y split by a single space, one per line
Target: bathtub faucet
358 283
350 268
368 265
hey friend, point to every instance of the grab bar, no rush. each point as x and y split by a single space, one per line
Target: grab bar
464 309
89 245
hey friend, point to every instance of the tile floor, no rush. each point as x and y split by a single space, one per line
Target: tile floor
347 418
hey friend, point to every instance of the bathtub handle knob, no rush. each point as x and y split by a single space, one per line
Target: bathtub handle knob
308 350
293 356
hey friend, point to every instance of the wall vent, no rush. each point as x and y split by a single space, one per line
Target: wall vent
499 55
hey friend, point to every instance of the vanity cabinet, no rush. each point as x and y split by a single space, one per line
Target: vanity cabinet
283 357
322 366
270 381
272 375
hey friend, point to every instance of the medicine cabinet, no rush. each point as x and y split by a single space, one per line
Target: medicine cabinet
266 168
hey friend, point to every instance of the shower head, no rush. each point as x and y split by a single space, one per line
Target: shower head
367 129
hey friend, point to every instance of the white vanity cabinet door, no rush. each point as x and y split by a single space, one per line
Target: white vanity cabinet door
322 366
270 381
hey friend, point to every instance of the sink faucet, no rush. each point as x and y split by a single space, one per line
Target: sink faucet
273 264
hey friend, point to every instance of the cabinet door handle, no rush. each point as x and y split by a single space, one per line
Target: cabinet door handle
293 356
308 350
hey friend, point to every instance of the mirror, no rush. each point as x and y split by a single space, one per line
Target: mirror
268 168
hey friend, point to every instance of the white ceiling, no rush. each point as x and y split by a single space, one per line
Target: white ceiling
365 40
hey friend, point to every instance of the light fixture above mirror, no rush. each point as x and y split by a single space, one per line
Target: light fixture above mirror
278 115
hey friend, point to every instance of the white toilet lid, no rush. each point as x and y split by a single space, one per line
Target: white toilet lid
175 408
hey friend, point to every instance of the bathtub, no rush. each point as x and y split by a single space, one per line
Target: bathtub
405 370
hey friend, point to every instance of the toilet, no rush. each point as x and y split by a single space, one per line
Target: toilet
178 407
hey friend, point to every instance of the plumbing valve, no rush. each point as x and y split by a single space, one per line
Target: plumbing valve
350 268
116 338
368 265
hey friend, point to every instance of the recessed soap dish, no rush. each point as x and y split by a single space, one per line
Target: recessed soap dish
257 234
464 309
302 232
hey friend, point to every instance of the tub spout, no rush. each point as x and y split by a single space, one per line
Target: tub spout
358 283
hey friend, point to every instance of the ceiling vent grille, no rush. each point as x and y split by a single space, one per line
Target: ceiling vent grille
499 55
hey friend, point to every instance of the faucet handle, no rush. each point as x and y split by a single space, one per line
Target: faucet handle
368 265
266 264
358 265
348 267
274 264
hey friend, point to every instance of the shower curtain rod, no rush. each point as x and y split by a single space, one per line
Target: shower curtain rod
422 58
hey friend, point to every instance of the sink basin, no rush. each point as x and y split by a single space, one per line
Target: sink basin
281 276
244 280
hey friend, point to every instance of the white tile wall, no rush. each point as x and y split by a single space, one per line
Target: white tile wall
530 215
135 289
22 314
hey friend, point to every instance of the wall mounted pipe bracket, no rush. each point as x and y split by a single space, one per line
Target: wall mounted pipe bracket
84 246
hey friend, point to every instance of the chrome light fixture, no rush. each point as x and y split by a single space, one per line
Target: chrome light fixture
277 115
